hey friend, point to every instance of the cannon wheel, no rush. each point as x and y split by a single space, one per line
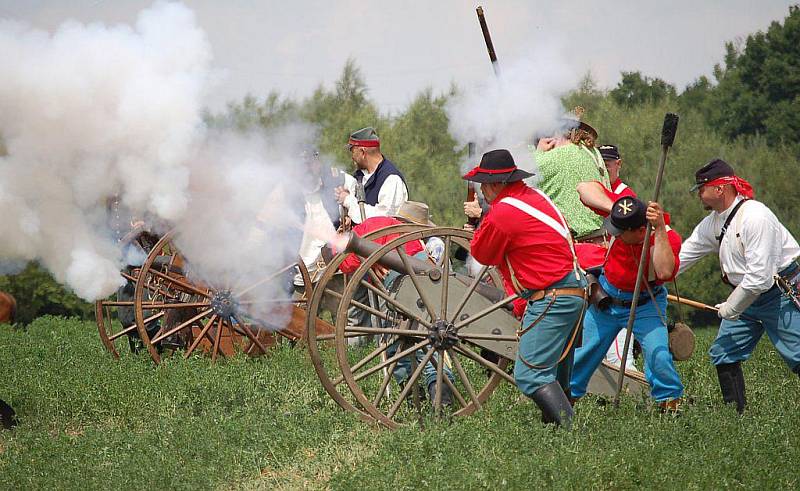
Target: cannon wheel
328 369
414 328
112 332
206 318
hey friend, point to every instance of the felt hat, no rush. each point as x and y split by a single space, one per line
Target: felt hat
496 166
414 212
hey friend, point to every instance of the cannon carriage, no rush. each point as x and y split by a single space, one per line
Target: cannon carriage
422 321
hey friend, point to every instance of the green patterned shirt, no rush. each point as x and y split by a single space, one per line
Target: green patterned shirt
560 171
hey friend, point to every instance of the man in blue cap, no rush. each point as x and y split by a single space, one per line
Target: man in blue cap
756 254
384 186
627 222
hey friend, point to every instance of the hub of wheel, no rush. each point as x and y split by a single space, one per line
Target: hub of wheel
442 334
223 304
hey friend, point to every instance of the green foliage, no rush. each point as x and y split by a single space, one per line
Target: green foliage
37 294
88 421
634 89
249 113
419 143
758 89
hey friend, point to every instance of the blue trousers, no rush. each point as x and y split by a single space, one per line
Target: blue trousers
540 347
779 318
601 326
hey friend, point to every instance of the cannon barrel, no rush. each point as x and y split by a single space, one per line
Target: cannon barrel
390 260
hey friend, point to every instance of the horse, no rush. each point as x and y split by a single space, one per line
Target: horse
8 308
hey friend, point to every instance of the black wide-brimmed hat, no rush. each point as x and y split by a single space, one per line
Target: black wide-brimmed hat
496 166
711 171
626 214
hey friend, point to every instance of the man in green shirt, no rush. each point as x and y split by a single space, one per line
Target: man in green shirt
563 162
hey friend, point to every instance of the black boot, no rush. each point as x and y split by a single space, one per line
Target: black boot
8 419
447 395
554 404
731 381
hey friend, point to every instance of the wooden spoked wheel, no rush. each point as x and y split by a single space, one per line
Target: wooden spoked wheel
115 318
325 302
436 330
221 319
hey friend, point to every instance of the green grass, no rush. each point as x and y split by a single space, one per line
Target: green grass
89 421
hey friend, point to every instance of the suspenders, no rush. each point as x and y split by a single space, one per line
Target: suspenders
560 226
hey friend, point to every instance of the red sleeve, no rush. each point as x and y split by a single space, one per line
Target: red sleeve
489 244
612 196
675 244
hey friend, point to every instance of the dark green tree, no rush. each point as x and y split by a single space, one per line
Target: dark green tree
758 87
635 89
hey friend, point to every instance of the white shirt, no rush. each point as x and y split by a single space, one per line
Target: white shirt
391 196
755 247
317 219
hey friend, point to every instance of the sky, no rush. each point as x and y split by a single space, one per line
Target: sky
403 47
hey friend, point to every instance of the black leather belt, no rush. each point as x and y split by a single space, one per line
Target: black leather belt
643 299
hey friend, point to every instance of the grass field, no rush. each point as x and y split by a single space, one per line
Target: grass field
91 422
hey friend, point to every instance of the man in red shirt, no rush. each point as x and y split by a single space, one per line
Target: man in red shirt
527 238
627 223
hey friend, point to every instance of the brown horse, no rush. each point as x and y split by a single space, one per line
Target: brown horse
8 308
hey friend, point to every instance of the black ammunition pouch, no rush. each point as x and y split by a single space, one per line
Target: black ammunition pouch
597 296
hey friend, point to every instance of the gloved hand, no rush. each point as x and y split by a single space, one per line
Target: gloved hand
736 303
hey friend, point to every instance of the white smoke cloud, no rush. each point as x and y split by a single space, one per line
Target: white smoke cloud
90 112
509 110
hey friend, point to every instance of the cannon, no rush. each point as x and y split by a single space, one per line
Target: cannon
451 327
432 314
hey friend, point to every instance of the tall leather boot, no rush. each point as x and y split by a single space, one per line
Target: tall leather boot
8 419
554 404
731 381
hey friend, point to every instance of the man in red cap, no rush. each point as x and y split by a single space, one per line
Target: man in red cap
384 186
754 250
527 238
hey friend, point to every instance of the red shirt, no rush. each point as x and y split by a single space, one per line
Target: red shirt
539 255
352 261
622 262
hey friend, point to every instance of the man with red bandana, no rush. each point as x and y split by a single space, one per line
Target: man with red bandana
754 248
527 238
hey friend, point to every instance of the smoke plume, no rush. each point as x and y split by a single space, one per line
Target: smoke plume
91 114
511 109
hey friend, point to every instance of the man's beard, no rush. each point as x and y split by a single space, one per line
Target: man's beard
707 207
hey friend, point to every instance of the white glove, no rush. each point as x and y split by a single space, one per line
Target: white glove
736 303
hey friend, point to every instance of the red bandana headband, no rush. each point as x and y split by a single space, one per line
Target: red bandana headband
742 187
479 170
364 143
